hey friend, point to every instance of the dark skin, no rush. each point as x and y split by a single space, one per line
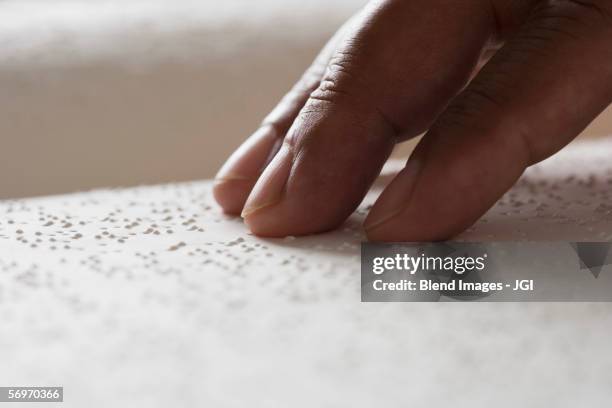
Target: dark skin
497 85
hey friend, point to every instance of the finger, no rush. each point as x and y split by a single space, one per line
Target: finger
534 97
238 175
387 82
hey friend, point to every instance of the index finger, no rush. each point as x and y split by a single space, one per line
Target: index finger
387 82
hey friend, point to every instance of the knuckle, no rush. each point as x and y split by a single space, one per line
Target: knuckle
481 112
283 115
338 80
592 11
509 15
476 100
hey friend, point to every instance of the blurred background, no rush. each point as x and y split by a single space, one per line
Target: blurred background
97 93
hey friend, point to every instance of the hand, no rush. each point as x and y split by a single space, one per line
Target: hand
498 84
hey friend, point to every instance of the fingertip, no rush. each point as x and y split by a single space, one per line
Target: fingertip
425 204
401 229
236 178
275 221
283 203
262 219
380 224
261 210
259 224
232 193
380 233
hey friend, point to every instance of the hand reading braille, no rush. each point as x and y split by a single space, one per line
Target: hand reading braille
497 85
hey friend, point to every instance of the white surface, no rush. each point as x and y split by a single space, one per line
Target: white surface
149 297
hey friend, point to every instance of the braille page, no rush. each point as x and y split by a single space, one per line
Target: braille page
151 296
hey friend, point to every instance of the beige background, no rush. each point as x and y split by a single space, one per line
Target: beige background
115 93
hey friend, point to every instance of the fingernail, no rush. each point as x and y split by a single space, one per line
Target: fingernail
269 190
394 199
247 161
228 177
